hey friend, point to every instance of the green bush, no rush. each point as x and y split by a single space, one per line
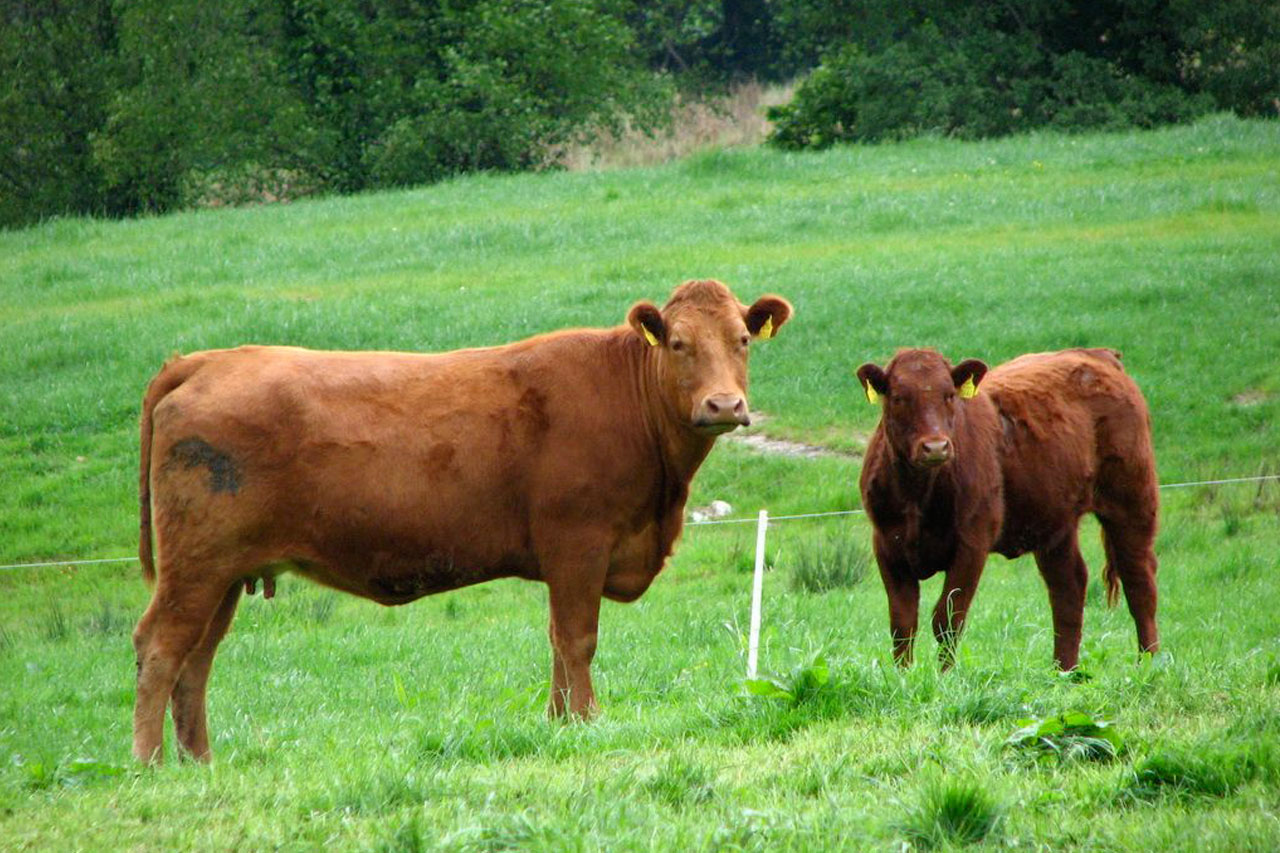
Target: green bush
162 104
986 83
201 107
55 73
516 81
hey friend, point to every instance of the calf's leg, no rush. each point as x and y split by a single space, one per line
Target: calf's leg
1128 543
189 720
953 605
1066 576
904 607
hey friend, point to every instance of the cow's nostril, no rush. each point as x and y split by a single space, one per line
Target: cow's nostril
712 407
739 407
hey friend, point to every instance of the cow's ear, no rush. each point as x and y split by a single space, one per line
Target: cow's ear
646 319
767 315
966 375
875 382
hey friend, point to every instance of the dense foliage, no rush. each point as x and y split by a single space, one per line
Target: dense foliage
157 104
977 69
118 108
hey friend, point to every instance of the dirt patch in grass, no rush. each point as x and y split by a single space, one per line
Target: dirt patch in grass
1252 397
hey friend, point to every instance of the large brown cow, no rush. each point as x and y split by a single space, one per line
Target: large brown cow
952 474
565 458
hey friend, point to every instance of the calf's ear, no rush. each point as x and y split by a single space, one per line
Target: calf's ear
966 375
646 319
874 381
767 315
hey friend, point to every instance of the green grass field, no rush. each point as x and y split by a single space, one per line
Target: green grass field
338 724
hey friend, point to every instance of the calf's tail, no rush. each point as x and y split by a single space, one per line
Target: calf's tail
1112 579
175 371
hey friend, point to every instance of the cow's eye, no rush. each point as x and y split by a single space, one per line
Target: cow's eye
677 346
745 340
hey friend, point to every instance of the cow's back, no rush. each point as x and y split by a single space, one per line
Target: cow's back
1069 421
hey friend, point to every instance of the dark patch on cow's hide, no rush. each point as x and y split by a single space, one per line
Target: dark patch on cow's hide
440 458
532 410
196 452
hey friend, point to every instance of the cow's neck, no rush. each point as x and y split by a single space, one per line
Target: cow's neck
679 449
922 486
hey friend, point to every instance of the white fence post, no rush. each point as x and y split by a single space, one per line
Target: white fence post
757 590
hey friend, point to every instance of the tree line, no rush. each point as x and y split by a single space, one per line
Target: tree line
120 107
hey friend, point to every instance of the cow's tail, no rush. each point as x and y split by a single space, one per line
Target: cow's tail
175 371
1112 580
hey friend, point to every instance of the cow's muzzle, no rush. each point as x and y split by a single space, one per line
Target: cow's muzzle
932 452
719 413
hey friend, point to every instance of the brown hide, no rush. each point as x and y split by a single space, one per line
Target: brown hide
1047 438
565 458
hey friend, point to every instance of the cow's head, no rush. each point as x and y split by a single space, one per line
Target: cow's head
700 341
922 393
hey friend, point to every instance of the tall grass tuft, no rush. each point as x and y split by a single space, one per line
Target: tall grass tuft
55 627
952 811
1206 771
407 837
835 561
681 782
108 620
379 792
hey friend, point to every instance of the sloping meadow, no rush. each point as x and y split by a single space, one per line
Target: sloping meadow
337 723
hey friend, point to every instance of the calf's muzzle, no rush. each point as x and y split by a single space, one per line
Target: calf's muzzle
933 451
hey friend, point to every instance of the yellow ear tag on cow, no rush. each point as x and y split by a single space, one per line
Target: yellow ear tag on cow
648 336
968 389
872 396
766 331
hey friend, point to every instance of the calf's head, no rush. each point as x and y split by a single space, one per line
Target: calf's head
700 340
922 395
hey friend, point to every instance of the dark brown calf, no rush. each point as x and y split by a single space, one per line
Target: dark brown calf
565 459
952 474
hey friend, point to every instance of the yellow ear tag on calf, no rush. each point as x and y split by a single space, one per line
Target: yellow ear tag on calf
968 389
648 336
766 331
872 396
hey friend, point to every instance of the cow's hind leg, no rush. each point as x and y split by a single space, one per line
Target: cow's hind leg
1066 576
175 621
189 720
1131 558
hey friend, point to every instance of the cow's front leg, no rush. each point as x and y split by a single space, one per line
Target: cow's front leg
904 606
575 578
953 605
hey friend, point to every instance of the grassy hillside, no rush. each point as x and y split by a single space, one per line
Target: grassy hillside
338 723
